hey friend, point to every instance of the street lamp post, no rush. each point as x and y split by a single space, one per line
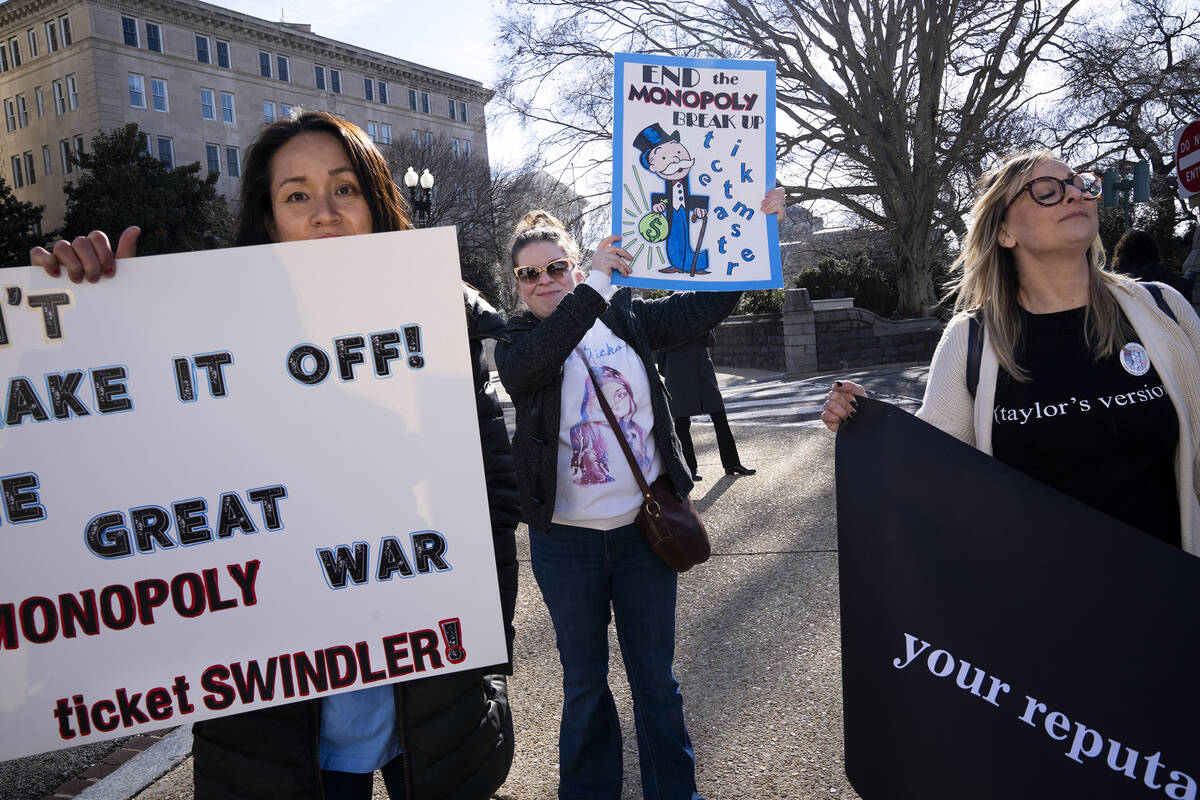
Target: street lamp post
1116 191
421 200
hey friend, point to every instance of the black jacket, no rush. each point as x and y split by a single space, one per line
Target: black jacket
531 368
456 729
691 378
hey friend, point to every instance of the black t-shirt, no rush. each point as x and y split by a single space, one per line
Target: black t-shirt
1098 431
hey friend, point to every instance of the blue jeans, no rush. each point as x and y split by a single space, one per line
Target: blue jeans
587 577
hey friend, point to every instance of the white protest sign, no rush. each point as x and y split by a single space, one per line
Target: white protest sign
693 157
237 478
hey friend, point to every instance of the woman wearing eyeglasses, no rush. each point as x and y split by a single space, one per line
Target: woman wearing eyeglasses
1086 380
580 497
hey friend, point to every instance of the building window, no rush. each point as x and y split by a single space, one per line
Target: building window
425 102
137 91
158 92
41 100
18 175
223 54
46 159
452 107
335 81
60 101
462 112
29 174
10 116
429 141
22 112
268 112
466 150
232 163
213 153
64 150
416 138
285 111
383 92
33 48
64 25
78 144
154 37
166 151
207 104
368 89
72 92
454 148
3 57
202 52
129 29
144 141
14 52
385 134
373 131
319 76
284 73
412 99
51 36
264 64
227 113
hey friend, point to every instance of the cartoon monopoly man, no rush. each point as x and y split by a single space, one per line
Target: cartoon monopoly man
667 158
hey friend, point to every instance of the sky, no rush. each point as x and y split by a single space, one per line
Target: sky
455 36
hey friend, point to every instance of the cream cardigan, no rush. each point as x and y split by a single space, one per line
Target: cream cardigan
1174 350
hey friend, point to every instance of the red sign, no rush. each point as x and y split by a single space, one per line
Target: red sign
1187 158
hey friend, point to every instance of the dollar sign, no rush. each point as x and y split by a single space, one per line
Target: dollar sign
653 232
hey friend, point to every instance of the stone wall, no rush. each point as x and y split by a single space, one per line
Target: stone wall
854 337
751 340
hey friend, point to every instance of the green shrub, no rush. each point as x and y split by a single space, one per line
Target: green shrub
763 301
871 287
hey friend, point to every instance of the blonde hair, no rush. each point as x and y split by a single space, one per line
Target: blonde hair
542 226
987 282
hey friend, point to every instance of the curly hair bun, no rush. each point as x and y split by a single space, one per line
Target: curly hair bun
538 218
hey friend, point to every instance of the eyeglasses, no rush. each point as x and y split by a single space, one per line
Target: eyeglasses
1050 191
555 269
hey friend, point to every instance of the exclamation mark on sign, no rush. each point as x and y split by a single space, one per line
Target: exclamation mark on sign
452 635
412 343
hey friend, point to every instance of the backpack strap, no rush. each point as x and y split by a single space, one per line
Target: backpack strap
1157 294
974 351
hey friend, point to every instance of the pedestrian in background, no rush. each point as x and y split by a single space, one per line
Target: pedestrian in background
1137 256
692 384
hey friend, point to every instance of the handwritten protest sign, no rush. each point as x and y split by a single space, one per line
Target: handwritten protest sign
693 156
237 478
999 638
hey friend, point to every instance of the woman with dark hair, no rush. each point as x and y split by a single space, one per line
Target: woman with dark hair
580 497
450 736
1136 254
1053 328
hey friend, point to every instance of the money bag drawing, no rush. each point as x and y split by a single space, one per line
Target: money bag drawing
665 156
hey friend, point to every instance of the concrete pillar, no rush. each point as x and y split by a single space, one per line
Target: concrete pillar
799 333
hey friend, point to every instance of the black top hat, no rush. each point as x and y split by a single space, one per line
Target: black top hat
650 138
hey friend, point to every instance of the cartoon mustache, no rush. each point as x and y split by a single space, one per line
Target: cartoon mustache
683 163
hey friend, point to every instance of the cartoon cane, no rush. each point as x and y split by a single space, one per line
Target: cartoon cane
452 634
699 242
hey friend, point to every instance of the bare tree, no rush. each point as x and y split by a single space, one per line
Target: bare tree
1131 80
887 108
484 205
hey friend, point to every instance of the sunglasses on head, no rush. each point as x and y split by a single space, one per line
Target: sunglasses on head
555 269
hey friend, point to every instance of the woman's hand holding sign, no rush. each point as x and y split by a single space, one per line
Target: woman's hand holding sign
86 256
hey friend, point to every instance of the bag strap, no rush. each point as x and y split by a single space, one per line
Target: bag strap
1157 294
616 429
974 351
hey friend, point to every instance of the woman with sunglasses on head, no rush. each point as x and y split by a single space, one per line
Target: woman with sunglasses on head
449 736
579 495
1085 379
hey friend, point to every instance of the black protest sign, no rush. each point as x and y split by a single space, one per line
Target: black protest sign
999 639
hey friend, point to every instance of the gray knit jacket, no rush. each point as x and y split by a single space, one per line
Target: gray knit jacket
531 369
